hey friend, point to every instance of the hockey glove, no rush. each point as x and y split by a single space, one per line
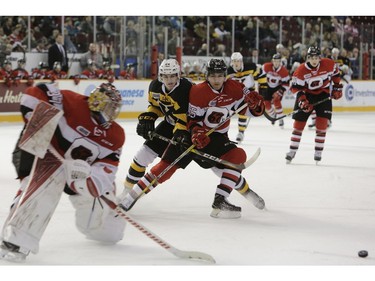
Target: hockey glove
255 103
146 124
199 137
337 91
183 139
76 170
304 104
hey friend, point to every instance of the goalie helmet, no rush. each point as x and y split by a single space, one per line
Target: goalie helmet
169 66
216 66
105 104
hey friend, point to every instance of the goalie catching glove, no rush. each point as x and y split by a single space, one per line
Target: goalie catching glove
78 178
146 124
304 104
255 103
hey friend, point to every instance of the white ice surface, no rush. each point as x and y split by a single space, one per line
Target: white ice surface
316 215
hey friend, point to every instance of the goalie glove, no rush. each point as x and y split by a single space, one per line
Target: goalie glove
337 91
78 178
146 124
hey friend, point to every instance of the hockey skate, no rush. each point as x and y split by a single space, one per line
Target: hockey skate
221 208
11 252
318 156
240 136
312 125
254 198
281 124
289 156
129 200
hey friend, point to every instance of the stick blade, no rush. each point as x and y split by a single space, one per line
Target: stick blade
40 129
193 255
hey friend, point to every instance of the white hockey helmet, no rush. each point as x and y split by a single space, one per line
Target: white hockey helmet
236 56
236 61
169 66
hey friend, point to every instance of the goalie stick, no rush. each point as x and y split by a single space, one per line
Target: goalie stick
273 119
194 255
241 166
35 140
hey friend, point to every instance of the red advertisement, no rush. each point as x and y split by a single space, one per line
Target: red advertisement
10 97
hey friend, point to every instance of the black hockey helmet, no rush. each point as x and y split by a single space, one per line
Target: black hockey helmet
216 66
276 56
313 51
42 65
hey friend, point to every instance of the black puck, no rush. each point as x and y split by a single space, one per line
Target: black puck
363 253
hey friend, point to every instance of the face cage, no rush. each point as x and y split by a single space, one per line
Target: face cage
105 108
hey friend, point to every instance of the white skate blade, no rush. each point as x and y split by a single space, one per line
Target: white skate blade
220 214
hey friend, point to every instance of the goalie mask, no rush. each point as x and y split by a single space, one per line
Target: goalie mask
105 104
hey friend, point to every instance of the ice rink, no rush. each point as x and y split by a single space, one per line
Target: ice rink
316 215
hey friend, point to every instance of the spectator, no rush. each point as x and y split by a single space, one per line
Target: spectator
5 50
220 32
349 28
203 50
93 55
220 51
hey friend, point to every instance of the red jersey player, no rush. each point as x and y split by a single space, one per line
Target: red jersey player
277 82
209 103
90 141
316 80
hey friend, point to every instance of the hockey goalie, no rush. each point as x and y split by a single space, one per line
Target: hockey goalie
70 145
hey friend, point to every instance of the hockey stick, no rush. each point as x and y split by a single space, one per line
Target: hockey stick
273 119
194 255
178 253
155 180
241 166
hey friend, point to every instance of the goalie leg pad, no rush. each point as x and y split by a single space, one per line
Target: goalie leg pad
96 220
31 214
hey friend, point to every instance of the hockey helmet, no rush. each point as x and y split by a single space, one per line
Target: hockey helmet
105 104
236 56
57 65
216 66
21 61
276 56
313 51
42 65
7 62
169 66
